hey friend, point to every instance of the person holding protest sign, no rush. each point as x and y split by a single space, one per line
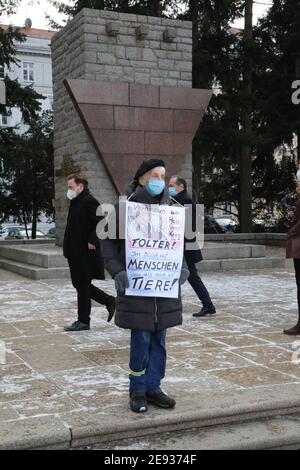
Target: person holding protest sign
178 191
293 251
81 247
149 302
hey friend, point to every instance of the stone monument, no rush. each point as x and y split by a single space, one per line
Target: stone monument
123 92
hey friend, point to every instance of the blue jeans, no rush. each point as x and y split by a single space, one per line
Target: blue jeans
147 361
198 286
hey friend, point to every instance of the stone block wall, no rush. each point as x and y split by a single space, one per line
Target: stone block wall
84 50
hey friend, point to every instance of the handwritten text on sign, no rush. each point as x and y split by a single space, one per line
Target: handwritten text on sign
154 249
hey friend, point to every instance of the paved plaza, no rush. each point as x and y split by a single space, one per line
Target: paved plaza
54 385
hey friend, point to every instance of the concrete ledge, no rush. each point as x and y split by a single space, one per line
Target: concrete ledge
87 427
232 251
46 261
206 266
50 256
277 239
37 255
258 251
27 242
34 272
103 429
34 433
38 273
268 433
237 264
53 433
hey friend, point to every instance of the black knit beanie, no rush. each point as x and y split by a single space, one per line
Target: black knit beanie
148 165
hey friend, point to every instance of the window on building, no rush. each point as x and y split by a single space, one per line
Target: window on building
2 71
28 72
3 120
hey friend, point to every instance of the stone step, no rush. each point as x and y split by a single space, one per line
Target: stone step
50 256
44 256
216 251
46 261
206 266
276 239
34 272
258 418
279 433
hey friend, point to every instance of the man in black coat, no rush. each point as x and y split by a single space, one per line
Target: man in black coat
81 247
178 191
146 317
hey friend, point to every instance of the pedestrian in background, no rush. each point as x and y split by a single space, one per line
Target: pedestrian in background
293 251
178 191
81 247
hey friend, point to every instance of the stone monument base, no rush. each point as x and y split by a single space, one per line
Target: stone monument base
45 261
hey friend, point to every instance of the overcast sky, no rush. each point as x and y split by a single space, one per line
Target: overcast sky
37 10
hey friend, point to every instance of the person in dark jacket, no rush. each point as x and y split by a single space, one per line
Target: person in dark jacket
146 317
178 191
81 247
293 251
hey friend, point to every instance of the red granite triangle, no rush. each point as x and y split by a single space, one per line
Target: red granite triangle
129 123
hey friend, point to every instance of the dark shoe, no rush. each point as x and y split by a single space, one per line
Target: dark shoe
205 311
138 403
293 331
77 326
111 308
161 400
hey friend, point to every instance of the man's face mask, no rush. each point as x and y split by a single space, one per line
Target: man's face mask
155 187
71 194
172 191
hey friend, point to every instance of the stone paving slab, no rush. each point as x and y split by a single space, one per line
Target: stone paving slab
235 363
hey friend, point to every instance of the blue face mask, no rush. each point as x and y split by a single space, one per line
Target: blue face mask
172 191
155 187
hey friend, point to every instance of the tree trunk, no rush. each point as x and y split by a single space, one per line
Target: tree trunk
193 17
245 208
34 207
124 6
155 8
25 222
34 223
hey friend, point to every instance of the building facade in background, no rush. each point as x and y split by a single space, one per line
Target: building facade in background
33 68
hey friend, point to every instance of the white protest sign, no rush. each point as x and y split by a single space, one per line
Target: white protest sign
154 249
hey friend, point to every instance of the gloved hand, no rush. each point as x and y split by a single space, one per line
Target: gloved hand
121 282
184 276
111 308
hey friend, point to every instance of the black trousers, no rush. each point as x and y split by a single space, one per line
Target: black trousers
198 286
85 293
297 274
